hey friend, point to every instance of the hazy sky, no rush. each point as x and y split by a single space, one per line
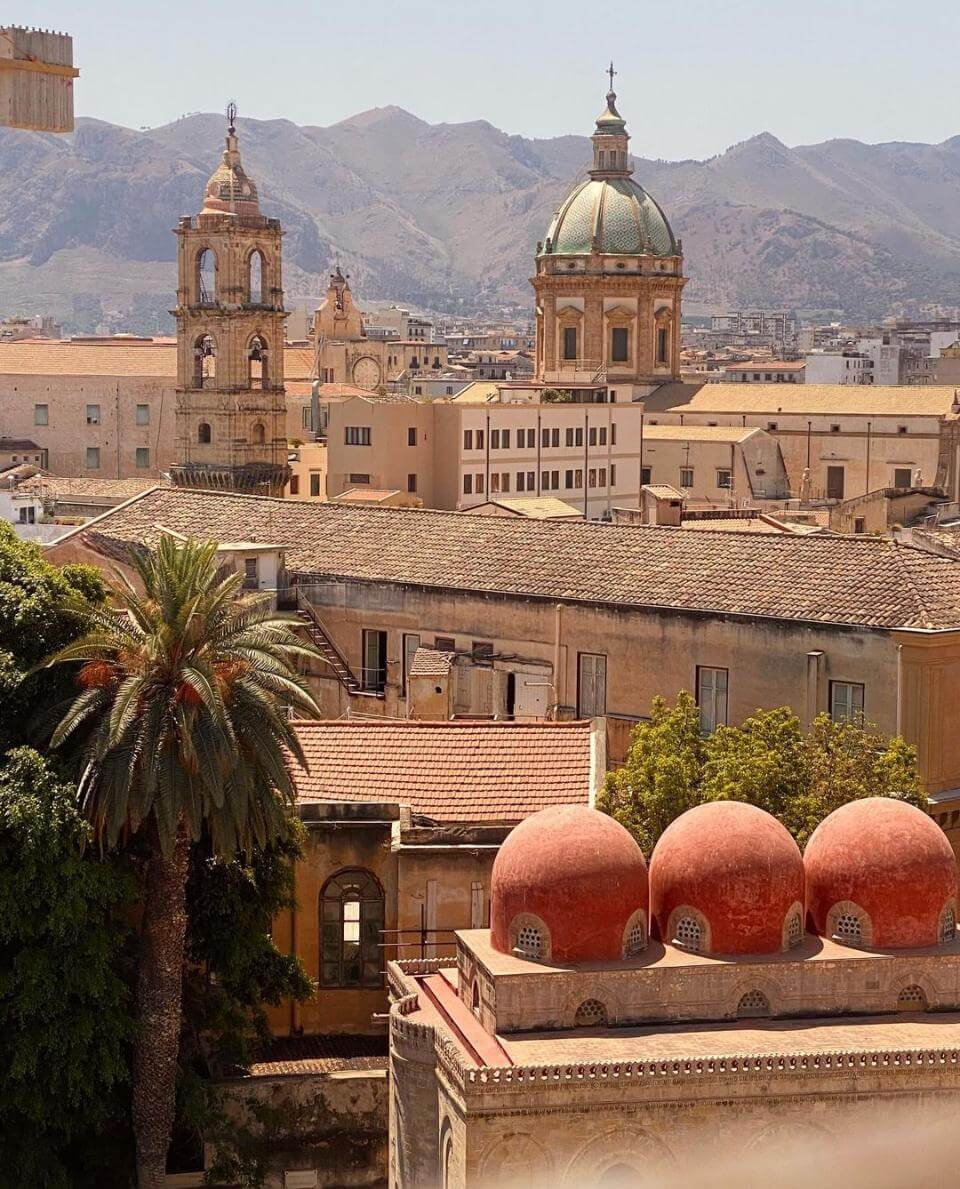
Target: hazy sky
695 75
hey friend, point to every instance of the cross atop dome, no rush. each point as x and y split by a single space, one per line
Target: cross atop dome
229 190
610 138
611 72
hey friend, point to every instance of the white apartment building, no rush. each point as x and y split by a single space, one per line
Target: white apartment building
838 367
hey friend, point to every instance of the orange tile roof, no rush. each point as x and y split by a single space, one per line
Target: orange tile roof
858 581
461 771
431 662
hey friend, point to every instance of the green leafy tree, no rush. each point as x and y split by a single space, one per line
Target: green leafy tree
182 710
66 1008
35 620
767 761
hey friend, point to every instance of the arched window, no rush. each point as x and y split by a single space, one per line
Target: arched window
205 281
948 926
446 1155
688 934
635 935
351 917
204 435
476 998
530 942
257 373
204 362
848 928
754 1003
590 1014
258 433
255 278
912 998
794 929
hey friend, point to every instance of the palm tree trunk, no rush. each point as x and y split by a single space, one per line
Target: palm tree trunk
159 1007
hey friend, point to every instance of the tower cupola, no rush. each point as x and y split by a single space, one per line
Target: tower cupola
610 140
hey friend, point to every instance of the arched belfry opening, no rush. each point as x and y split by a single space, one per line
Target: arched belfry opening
230 318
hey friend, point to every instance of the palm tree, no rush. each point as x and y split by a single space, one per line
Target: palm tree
182 722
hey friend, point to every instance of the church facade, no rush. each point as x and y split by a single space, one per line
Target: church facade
608 281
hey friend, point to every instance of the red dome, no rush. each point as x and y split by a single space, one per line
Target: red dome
888 859
577 872
740 873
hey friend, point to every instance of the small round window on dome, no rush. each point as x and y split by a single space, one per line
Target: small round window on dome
636 940
948 926
848 928
688 934
590 1014
530 942
794 930
912 998
754 1003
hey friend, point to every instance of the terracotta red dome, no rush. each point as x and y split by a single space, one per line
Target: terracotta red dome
890 860
727 878
576 876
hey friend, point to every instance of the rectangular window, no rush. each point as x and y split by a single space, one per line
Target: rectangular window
505 482
593 435
711 698
314 484
645 473
411 482
619 344
479 484
846 701
520 481
555 480
445 644
531 438
661 345
143 457
505 436
357 435
495 483
578 478
360 480
544 480
592 477
411 642
591 685
294 484
834 483
477 917
569 436
555 436
772 426
603 435
568 479
481 651
374 673
251 573
544 437
468 439
613 475
724 478
494 439
143 414
468 484
28 515
902 477
613 433
686 477
578 436
412 435
93 458
479 439
93 414
859 524
41 414
531 480
602 476
569 342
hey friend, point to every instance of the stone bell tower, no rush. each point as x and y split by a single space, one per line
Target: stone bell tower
231 411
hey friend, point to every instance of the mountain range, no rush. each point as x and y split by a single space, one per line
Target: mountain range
447 216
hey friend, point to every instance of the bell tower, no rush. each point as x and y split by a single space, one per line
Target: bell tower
231 410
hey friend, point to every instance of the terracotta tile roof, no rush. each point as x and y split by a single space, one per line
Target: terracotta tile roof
663 491
431 662
57 487
19 444
536 507
291 1055
871 581
459 771
843 399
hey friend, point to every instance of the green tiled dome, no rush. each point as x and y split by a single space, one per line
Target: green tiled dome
615 214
